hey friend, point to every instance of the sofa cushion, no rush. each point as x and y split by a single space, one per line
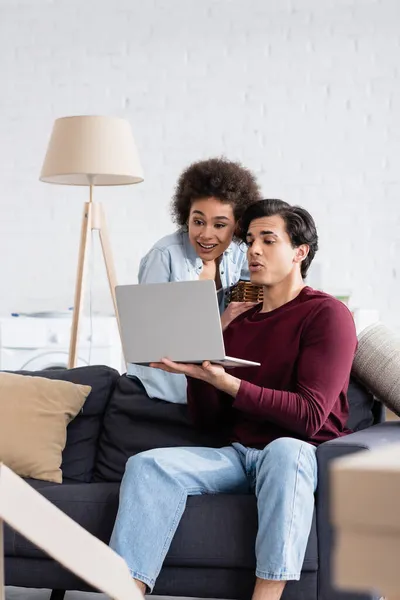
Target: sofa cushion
377 364
216 531
361 406
92 505
134 422
83 433
219 530
34 414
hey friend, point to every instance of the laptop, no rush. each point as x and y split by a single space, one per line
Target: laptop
178 320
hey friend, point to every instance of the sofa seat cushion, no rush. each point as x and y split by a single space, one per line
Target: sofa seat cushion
219 530
216 530
92 505
79 455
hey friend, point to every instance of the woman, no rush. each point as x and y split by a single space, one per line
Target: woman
209 199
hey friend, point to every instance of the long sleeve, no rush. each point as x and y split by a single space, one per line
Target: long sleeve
327 349
208 407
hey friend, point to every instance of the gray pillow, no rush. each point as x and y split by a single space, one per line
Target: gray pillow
377 364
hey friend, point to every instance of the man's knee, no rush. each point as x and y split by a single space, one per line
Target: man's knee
284 454
146 460
172 462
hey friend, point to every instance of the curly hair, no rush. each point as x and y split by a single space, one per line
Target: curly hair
299 224
228 181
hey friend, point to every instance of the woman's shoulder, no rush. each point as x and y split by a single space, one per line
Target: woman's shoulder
163 259
170 242
237 252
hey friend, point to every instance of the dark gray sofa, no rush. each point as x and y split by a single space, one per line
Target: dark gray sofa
212 554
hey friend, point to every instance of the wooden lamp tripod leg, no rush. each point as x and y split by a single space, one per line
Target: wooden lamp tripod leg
82 261
108 258
93 218
100 224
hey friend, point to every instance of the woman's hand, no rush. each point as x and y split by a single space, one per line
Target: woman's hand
233 310
213 374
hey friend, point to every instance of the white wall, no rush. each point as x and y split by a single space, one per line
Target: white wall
305 92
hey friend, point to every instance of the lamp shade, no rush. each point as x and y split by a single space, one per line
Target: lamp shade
91 150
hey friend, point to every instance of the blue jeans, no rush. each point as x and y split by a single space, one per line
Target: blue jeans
157 483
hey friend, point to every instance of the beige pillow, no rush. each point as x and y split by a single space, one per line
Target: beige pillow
34 414
377 364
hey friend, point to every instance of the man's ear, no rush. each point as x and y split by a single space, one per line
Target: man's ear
301 253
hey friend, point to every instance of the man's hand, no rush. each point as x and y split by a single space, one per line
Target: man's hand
233 310
206 372
213 374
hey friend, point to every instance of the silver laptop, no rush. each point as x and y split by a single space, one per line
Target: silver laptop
178 320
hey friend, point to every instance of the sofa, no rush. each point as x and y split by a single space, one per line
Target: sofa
212 554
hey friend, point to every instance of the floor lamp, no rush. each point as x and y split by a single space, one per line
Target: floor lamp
91 151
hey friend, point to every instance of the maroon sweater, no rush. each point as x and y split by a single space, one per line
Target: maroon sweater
306 349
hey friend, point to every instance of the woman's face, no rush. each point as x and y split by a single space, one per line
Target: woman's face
211 226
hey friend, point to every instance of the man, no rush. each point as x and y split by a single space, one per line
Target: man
275 414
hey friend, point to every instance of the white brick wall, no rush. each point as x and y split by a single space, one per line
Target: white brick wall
305 92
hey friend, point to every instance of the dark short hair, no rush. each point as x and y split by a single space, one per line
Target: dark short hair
228 181
300 225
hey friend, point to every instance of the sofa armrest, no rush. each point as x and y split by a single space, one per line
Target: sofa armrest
367 439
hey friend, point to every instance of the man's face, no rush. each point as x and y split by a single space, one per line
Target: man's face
271 256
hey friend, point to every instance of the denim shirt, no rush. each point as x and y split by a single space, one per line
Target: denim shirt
173 258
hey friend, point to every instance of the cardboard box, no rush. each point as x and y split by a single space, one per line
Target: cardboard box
366 516
46 526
